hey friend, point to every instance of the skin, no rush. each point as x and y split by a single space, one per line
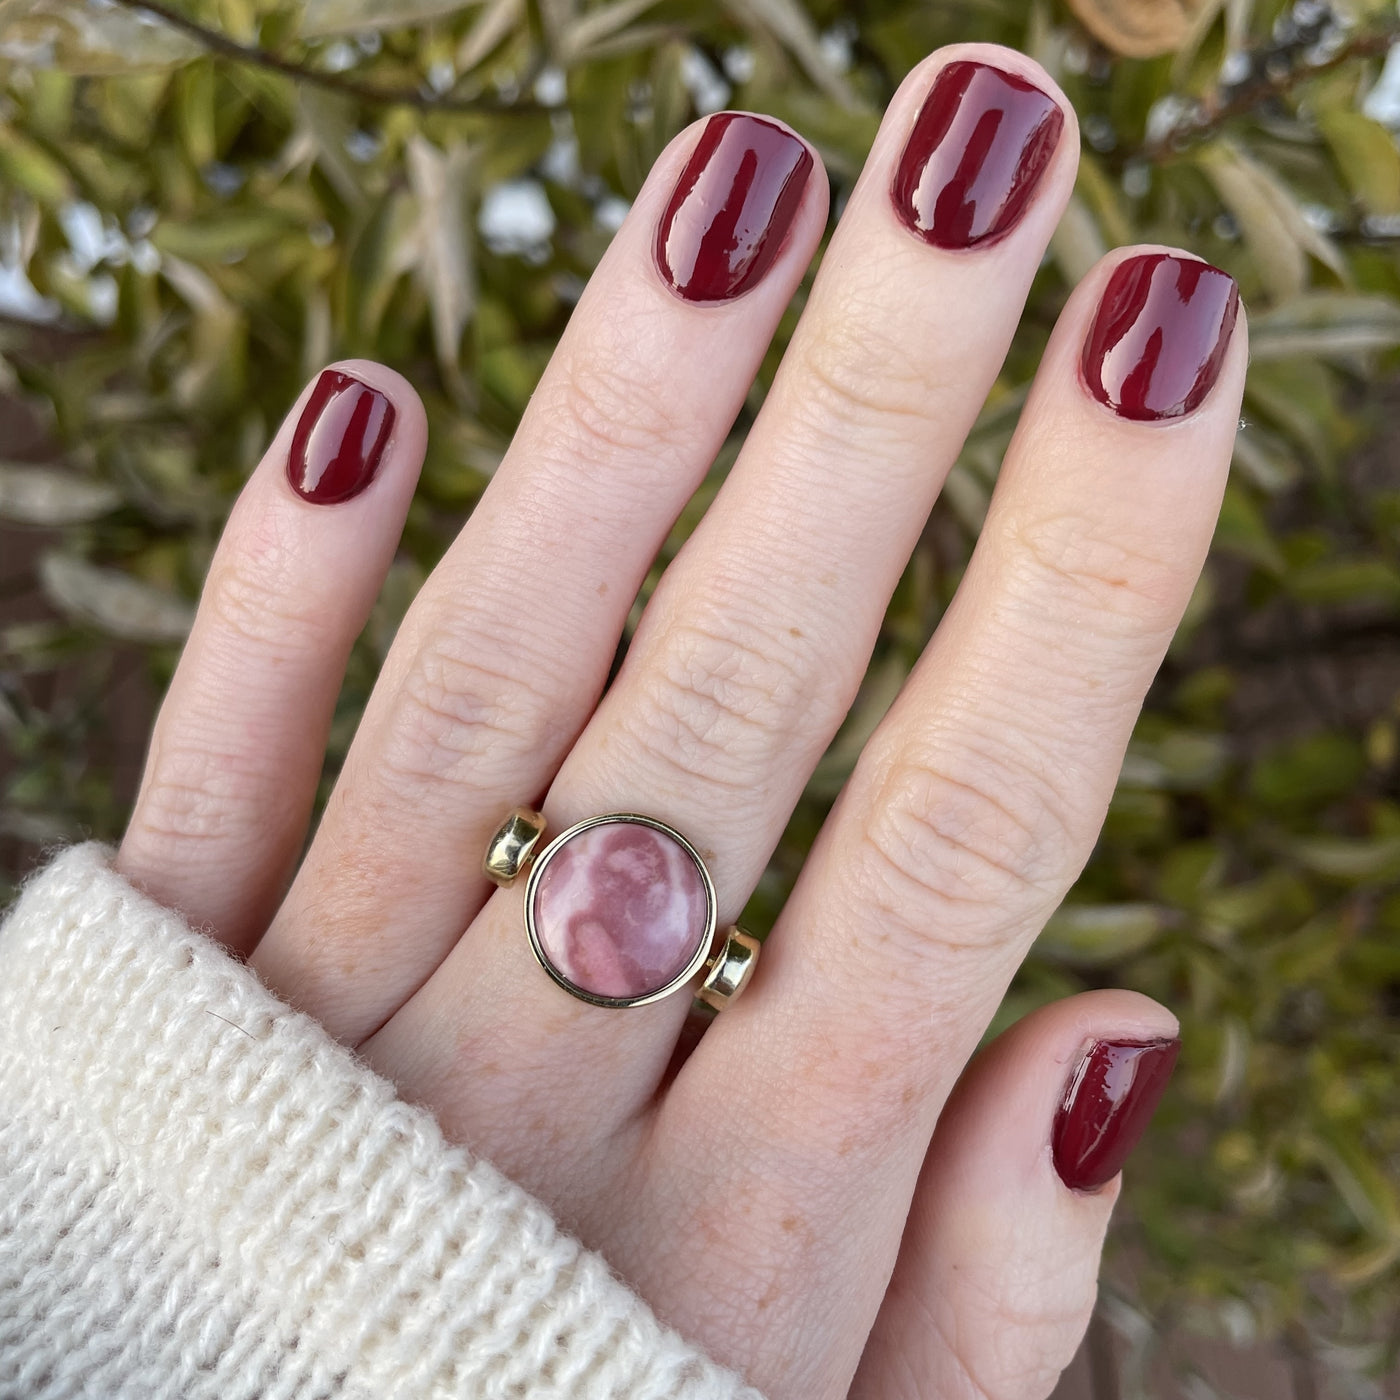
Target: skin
828 1196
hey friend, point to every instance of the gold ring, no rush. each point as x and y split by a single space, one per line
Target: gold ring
620 909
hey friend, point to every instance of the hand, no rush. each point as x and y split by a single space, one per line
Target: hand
825 1196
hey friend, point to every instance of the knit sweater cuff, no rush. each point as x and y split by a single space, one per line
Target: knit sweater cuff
204 1196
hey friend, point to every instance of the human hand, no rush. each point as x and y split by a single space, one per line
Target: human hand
826 1196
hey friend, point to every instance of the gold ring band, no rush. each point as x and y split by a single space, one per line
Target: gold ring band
620 909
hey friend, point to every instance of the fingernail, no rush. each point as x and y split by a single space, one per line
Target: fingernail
1107 1106
733 204
339 439
971 165
1160 336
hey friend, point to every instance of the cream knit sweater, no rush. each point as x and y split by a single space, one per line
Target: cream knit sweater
204 1197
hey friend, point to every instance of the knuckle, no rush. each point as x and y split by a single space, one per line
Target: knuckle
719 707
855 377
1000 1352
196 797
953 853
259 593
605 405
1127 584
460 714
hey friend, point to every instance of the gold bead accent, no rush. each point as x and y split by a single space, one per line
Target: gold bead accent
513 847
731 968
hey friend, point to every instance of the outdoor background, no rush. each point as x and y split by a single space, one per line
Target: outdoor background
201 205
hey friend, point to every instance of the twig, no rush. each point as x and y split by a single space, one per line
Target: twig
1222 106
224 47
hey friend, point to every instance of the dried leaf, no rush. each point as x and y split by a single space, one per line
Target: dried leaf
215 346
444 263
322 19
51 497
1142 28
582 35
1274 226
497 20
113 602
89 40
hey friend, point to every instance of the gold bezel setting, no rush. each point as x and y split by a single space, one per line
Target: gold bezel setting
704 948
731 968
512 848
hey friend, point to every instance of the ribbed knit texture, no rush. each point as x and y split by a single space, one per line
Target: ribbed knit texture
203 1196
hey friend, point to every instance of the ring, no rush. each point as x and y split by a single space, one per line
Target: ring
620 909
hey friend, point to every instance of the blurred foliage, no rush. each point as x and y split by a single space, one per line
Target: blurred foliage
197 211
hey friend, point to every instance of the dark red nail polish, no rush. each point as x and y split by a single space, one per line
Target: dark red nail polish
339 439
1107 1106
1160 336
734 201
979 146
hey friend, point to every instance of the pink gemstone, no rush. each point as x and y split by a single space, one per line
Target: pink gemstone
620 909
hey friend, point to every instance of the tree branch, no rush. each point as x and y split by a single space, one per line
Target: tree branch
1224 105
221 45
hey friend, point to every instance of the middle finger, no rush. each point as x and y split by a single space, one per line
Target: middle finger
754 643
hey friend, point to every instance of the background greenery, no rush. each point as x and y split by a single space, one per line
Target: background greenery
201 209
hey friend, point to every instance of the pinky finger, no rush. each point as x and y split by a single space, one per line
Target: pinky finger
997 1273
238 746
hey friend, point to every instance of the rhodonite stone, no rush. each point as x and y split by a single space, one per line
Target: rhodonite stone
620 909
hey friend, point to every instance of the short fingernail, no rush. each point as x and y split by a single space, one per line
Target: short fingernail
732 206
1160 336
1107 1106
339 439
973 161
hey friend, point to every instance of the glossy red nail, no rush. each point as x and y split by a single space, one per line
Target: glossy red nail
1107 1105
1160 336
732 206
339 439
979 146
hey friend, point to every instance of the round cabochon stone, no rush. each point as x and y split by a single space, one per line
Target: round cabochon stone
620 909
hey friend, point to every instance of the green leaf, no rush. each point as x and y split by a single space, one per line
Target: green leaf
1347 580
1364 861
1077 243
1368 157
1096 935
1315 768
789 23
1327 324
25 164
1241 530
221 237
